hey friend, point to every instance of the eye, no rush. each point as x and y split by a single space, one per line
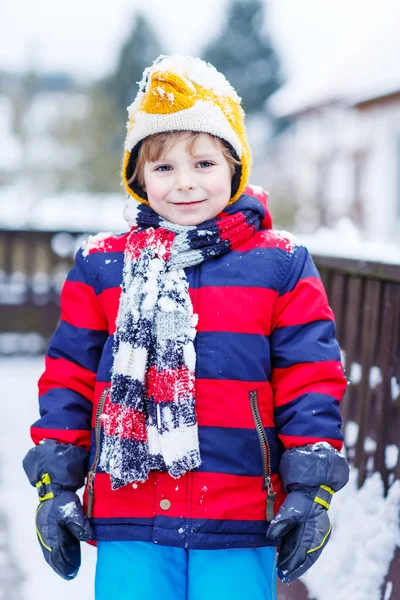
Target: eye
163 168
204 164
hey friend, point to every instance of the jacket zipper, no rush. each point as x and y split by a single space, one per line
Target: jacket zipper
92 472
266 456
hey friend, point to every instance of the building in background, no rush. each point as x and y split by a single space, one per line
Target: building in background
340 157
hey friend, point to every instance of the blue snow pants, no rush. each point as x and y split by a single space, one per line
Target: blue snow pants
146 571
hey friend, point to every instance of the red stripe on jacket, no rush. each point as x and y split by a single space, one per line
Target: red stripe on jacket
195 495
227 300
306 303
78 437
303 378
80 307
238 306
265 238
291 441
224 406
109 299
62 373
113 243
222 496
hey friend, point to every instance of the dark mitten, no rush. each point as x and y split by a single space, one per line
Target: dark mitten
57 470
60 526
303 524
311 474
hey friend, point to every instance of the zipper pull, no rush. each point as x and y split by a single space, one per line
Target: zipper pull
270 498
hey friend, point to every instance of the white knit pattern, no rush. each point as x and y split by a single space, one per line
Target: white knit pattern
174 444
204 117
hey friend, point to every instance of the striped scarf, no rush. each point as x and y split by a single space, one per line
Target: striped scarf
149 418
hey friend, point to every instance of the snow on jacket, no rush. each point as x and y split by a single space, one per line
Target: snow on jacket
268 378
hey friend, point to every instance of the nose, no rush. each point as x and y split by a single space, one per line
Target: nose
185 181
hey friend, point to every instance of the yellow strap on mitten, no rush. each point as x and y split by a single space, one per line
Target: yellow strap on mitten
44 489
324 496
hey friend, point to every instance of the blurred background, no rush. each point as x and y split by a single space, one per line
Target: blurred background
320 83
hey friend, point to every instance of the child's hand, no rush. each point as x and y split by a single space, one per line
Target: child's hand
303 524
56 470
60 526
311 474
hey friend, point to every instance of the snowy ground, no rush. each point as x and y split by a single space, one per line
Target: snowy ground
353 566
365 533
24 567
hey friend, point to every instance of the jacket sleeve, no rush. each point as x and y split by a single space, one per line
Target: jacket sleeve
308 382
72 358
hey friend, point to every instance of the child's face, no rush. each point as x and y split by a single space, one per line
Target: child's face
186 189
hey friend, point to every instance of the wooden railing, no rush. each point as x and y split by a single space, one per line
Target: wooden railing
365 298
33 266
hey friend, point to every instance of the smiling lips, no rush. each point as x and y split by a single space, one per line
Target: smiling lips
188 203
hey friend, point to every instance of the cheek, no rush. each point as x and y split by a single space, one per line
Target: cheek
221 182
155 190
221 187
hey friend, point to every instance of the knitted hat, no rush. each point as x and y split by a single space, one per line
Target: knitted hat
179 93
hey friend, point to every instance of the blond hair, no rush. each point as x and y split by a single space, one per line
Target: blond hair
154 147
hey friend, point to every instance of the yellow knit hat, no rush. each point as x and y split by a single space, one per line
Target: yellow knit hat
179 93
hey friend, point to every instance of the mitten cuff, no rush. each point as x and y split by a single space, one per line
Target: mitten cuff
313 466
52 467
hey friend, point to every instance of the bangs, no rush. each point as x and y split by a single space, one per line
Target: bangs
155 147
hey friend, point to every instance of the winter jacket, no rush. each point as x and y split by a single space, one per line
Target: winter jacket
268 378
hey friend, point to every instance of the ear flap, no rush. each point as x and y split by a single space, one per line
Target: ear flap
236 177
134 186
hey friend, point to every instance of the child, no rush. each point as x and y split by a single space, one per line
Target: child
194 378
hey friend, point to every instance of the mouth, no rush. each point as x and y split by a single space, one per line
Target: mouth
193 203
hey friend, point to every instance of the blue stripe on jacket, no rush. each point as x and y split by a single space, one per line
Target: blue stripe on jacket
301 268
215 362
79 345
218 526
229 450
212 359
236 451
201 533
62 408
316 415
258 267
311 342
111 271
